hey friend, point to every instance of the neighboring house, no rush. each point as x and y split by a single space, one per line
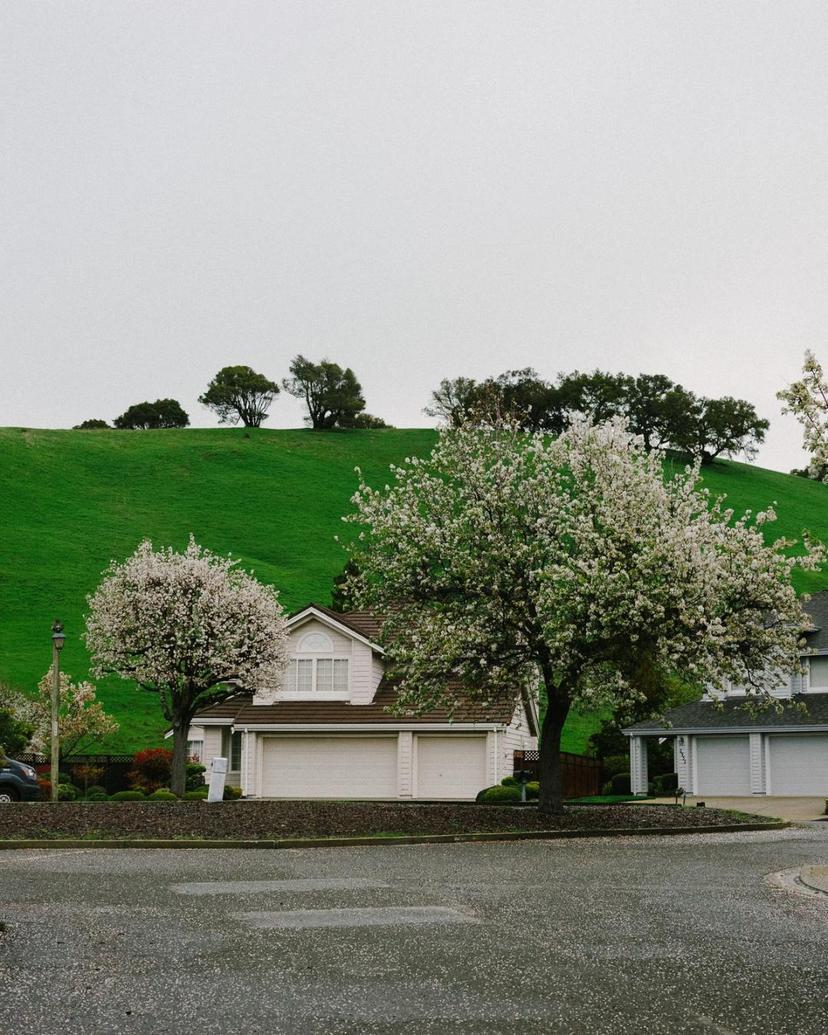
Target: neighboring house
725 750
327 732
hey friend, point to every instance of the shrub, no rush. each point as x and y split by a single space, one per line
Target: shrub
163 794
231 793
195 776
128 796
615 764
45 788
665 784
532 790
86 774
197 795
499 795
67 792
620 784
96 794
509 781
151 769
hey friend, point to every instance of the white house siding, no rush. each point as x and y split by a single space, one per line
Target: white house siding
797 763
682 761
723 765
516 737
377 672
212 746
638 765
362 674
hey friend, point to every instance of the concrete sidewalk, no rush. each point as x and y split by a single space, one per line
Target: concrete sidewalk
794 810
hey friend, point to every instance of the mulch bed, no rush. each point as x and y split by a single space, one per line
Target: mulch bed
295 819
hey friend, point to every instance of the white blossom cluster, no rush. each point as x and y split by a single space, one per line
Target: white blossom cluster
506 559
191 626
82 720
807 400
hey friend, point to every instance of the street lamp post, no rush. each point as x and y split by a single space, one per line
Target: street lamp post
58 639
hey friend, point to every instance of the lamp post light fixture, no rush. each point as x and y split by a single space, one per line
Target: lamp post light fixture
58 639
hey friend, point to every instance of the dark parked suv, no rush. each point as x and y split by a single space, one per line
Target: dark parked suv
18 781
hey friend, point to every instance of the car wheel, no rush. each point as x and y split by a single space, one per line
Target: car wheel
8 794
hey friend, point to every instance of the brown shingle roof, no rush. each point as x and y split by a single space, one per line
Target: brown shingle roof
362 622
242 711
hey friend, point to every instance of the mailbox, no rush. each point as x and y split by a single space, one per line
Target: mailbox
218 775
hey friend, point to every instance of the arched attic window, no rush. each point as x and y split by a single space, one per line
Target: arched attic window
315 669
316 643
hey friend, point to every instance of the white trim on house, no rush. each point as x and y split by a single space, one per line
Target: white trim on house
373 727
345 630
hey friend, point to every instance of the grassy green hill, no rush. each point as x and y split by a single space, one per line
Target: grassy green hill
71 501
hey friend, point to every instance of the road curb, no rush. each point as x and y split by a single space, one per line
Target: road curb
815 878
359 842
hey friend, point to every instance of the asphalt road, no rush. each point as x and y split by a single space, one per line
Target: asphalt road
678 934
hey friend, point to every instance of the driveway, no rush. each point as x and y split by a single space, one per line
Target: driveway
795 810
664 934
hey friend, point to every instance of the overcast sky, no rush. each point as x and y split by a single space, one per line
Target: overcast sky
419 190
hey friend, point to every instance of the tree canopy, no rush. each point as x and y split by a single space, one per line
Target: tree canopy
507 559
240 394
93 424
188 626
664 413
807 400
82 720
145 416
332 395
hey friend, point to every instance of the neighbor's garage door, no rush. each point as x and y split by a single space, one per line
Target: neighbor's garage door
798 764
450 767
723 765
329 767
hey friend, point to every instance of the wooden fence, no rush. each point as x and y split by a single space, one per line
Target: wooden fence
112 775
582 775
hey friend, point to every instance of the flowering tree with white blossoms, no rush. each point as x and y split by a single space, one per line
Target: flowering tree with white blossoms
807 400
508 560
82 720
190 626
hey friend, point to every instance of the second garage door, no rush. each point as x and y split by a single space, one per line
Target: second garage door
798 764
329 767
450 767
723 765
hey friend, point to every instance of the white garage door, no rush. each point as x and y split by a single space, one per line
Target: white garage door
450 767
723 765
329 767
798 764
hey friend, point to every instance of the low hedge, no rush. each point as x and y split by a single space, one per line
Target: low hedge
499 795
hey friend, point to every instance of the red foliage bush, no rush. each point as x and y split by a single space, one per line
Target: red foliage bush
151 769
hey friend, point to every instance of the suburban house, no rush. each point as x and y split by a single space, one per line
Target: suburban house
722 749
327 732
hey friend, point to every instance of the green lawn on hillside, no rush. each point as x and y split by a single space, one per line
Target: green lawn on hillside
74 500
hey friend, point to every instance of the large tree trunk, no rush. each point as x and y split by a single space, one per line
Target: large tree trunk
550 799
178 777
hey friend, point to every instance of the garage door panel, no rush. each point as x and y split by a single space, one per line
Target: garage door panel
798 764
329 767
450 767
723 765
